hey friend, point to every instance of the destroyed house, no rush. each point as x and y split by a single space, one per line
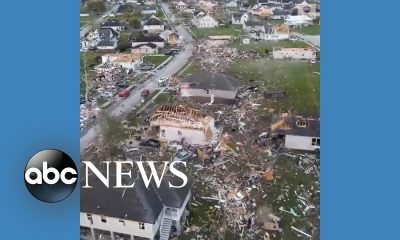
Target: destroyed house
134 213
301 133
210 87
187 125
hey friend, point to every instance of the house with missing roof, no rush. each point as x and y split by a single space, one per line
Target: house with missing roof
294 53
187 125
268 32
299 132
130 62
134 213
210 87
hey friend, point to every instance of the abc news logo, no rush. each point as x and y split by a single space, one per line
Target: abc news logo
50 175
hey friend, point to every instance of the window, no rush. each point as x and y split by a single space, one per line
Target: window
179 132
122 222
89 218
141 226
315 142
302 123
163 132
103 219
208 91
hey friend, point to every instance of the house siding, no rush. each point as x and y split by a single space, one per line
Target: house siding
300 142
114 225
195 92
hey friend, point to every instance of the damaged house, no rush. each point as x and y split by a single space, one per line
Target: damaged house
210 87
268 32
301 133
134 213
187 125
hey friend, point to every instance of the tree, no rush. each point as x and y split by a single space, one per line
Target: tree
134 22
123 43
96 7
112 134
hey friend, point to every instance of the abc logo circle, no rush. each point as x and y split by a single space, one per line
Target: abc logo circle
50 175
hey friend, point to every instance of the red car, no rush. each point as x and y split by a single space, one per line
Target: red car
124 93
145 93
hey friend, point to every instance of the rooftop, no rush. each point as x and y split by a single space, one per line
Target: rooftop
289 124
211 81
139 203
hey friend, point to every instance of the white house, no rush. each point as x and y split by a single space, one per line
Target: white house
126 61
300 20
139 212
102 39
205 22
294 53
239 18
182 124
277 32
231 4
149 38
153 25
301 133
181 5
145 48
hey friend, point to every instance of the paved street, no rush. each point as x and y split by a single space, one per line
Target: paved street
123 106
313 40
87 28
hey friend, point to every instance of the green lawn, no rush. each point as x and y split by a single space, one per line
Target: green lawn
301 81
310 30
261 46
91 62
84 9
156 60
224 30
85 20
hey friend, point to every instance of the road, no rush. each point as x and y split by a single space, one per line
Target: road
313 40
87 28
124 106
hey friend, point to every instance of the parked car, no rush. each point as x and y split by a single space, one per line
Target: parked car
150 143
182 156
124 93
145 93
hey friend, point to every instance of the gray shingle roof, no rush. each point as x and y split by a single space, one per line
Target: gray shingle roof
212 81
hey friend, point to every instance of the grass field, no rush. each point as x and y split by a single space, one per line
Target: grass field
310 30
91 62
85 20
300 80
224 30
156 60
262 46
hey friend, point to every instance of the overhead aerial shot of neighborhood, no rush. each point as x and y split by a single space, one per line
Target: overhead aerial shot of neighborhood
231 88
